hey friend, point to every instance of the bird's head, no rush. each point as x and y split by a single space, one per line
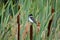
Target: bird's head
30 15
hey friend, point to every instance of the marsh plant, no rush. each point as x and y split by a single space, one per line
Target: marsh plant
42 10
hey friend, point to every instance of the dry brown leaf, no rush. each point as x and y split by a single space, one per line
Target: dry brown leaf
38 26
26 30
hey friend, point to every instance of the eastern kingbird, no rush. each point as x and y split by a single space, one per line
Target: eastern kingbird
31 19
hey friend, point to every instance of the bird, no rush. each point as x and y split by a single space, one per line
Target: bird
31 19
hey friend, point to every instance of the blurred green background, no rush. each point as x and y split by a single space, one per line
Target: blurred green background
41 10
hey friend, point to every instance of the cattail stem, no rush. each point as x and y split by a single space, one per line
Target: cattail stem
50 22
18 17
31 32
49 27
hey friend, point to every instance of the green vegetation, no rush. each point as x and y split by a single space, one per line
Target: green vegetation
41 10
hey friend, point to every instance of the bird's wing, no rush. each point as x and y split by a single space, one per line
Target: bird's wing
33 19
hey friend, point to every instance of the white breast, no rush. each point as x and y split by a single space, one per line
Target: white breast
30 20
